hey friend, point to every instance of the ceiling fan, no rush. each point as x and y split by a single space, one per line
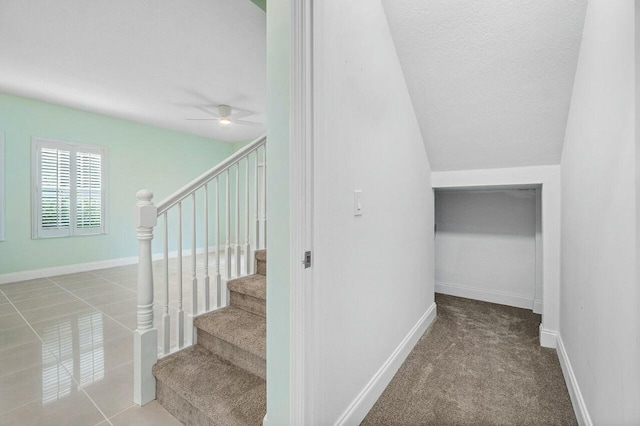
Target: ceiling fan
226 116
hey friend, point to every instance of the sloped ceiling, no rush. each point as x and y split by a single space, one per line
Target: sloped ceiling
148 61
490 80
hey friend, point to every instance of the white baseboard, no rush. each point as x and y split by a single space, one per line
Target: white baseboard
537 307
361 405
579 405
548 338
33 274
63 270
484 295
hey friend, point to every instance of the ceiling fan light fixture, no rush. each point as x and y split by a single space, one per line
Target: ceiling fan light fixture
226 116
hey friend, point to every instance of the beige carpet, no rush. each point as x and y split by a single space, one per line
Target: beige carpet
478 364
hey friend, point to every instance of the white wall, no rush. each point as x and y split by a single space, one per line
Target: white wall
600 315
485 245
373 274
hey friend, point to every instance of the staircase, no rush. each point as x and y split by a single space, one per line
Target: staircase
221 380
200 342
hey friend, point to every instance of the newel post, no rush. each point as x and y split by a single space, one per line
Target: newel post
145 337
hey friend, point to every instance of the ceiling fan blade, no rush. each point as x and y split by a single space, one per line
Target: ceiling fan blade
241 114
207 111
247 123
202 119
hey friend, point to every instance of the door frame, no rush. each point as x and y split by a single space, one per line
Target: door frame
301 179
548 177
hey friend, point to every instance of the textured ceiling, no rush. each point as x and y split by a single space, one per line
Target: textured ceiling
147 61
490 80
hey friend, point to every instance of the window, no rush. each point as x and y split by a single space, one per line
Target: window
69 194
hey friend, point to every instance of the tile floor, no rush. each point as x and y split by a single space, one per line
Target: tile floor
66 349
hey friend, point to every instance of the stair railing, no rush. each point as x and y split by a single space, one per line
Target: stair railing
232 255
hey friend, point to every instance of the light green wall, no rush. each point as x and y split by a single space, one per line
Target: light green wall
278 207
139 156
262 4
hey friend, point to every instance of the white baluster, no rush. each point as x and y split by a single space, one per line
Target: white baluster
145 338
237 239
218 277
194 278
166 318
264 199
207 302
227 246
180 318
191 337
257 198
247 259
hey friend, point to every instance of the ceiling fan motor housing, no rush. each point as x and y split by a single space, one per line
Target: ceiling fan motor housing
224 111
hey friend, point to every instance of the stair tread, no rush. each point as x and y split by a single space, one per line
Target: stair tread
251 285
236 326
261 254
223 392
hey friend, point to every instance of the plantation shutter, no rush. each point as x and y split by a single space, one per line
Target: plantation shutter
69 195
55 191
88 191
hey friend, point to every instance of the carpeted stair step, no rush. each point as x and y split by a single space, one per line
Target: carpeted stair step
237 336
261 262
200 388
249 293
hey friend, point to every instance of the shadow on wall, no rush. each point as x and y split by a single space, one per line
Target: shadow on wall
503 212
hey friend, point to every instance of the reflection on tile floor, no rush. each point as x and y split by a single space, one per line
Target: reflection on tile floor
66 346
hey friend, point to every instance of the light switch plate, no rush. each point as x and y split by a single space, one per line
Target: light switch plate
357 202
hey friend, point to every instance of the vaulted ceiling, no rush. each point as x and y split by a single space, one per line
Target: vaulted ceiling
149 61
490 80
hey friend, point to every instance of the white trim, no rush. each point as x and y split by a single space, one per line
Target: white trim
548 338
365 400
549 179
66 269
53 271
537 306
485 295
302 325
579 404
539 269
3 208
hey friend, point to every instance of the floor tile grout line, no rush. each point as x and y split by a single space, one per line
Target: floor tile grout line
25 290
56 285
57 316
102 305
94 307
45 347
113 282
30 323
9 314
19 370
120 412
42 307
80 387
18 407
41 342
